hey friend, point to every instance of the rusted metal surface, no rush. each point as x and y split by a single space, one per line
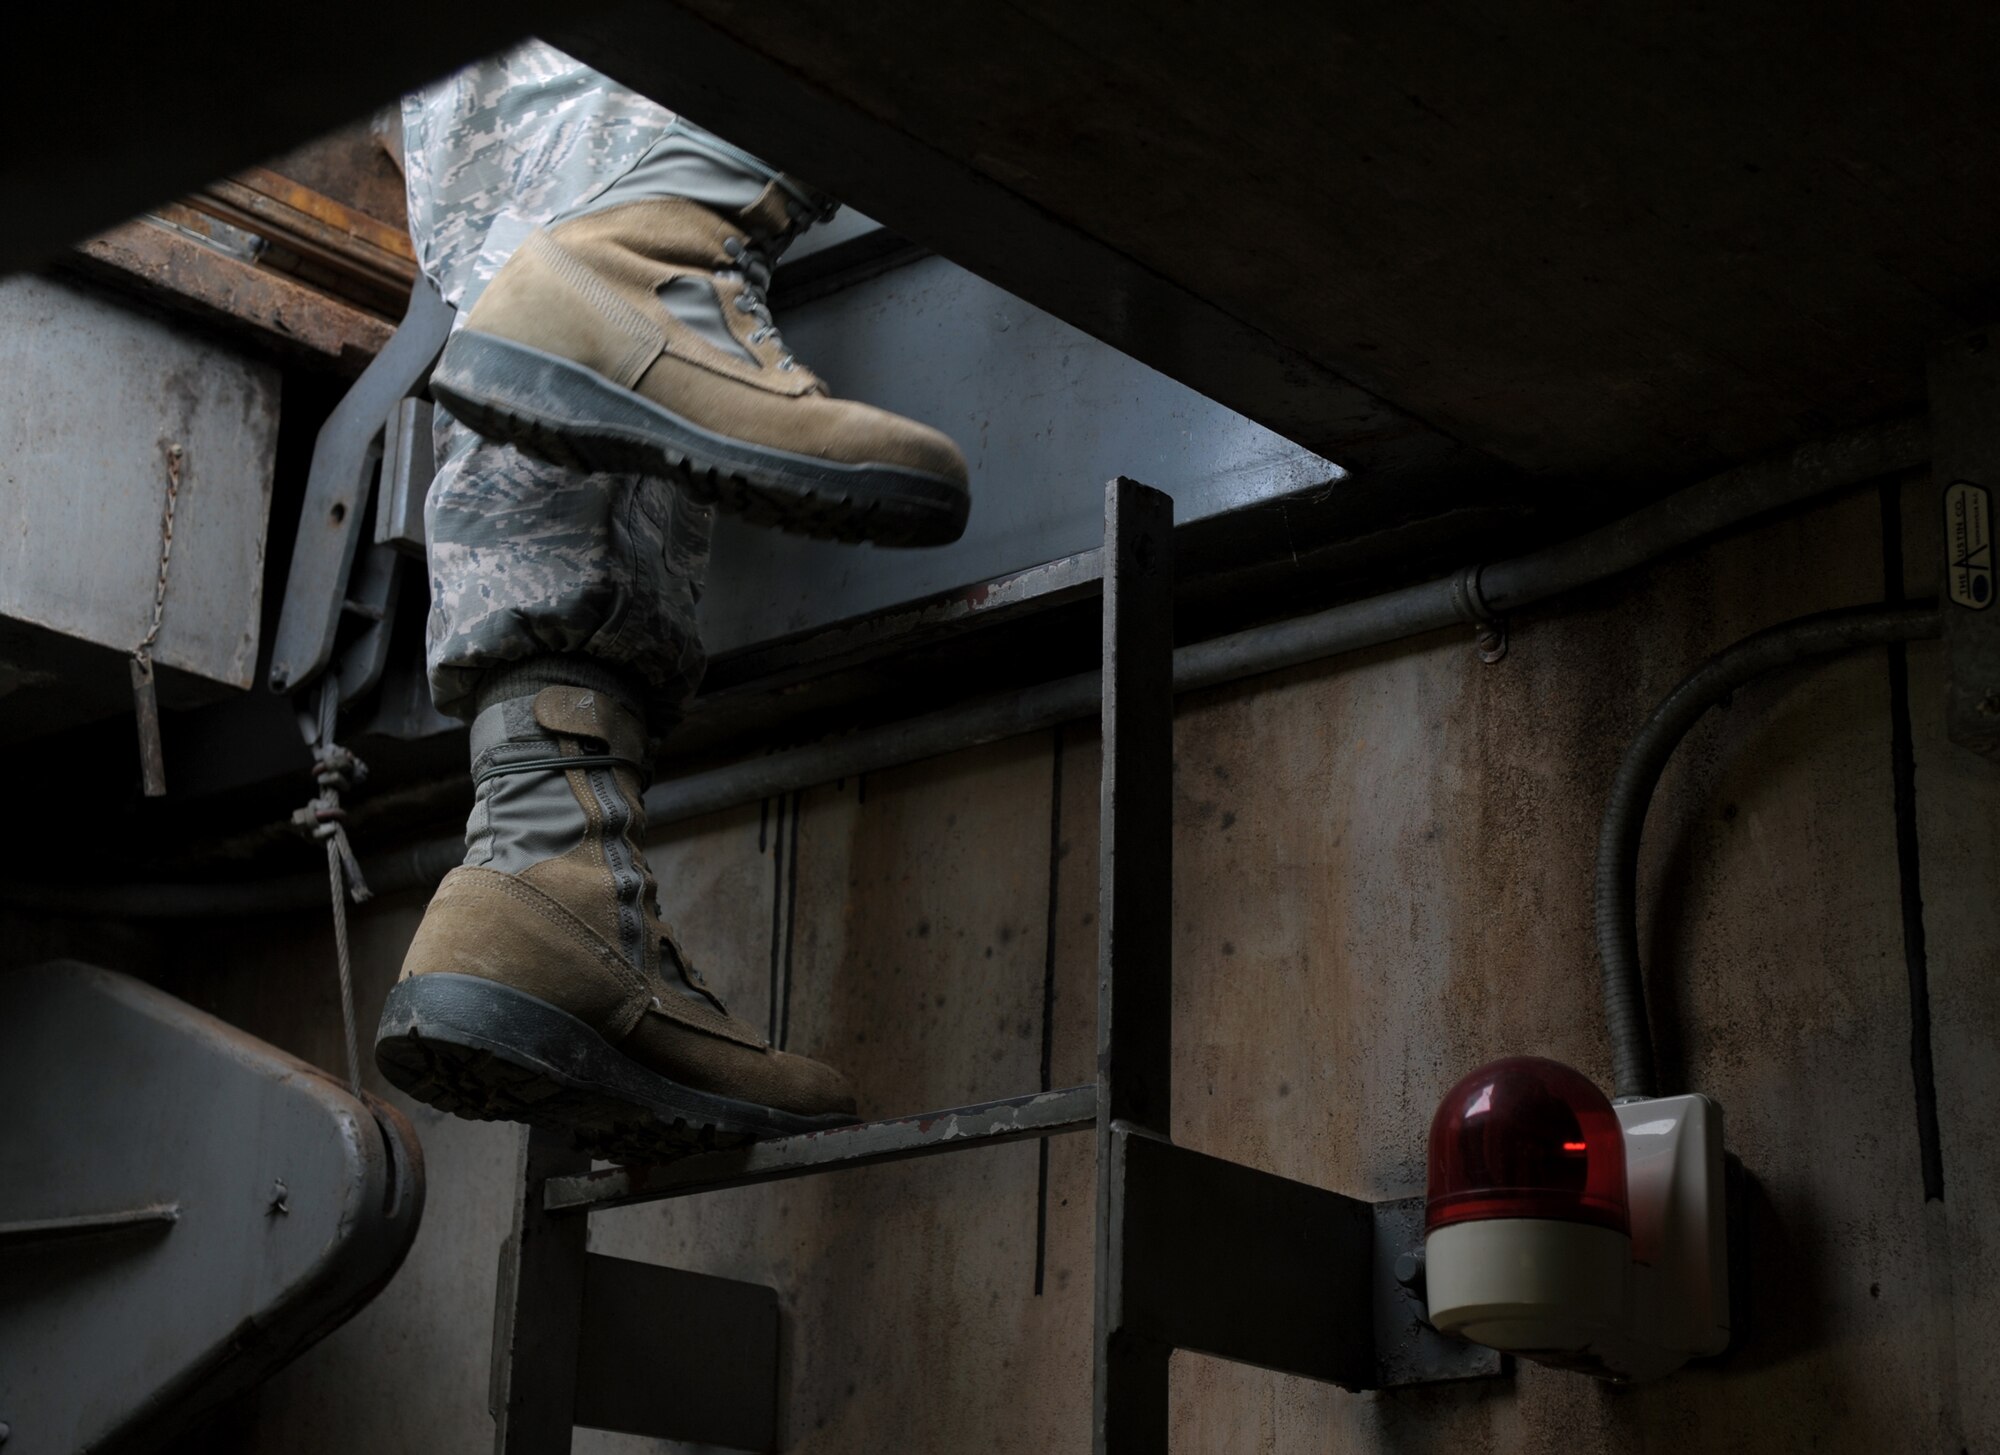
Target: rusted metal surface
865 1144
346 251
357 166
291 206
306 276
291 320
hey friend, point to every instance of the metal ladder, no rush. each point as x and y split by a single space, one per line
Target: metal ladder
1192 1251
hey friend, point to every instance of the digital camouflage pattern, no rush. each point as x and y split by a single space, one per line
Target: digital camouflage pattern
528 558
500 147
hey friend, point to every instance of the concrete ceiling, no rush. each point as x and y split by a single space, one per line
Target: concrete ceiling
1531 245
1584 241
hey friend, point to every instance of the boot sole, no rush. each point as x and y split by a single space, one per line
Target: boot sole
482 1050
569 415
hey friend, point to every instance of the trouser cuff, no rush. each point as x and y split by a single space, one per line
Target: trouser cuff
560 669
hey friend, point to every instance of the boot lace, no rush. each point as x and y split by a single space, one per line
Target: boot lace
753 271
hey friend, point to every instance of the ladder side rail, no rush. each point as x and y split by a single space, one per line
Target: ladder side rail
1135 945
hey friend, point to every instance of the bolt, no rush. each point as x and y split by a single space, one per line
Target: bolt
1410 1268
1491 643
280 1200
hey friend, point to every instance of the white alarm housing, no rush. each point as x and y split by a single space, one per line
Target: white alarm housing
1586 1297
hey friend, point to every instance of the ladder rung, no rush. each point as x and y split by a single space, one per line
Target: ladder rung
1041 1114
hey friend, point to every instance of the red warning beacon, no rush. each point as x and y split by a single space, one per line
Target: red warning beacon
1526 1138
1527 1234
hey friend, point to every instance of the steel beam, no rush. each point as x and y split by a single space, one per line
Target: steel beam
866 1144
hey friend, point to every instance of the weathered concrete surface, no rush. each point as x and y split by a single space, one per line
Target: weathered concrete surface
1383 878
1435 823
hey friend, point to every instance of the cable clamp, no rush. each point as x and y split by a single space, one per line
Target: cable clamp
1473 608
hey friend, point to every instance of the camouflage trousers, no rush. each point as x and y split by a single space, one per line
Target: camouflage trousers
527 558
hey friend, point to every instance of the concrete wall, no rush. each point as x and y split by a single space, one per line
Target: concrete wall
1383 879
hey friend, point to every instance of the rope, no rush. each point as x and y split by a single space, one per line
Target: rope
337 771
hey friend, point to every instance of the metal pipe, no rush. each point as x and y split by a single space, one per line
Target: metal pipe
1470 597
413 866
1476 595
1805 639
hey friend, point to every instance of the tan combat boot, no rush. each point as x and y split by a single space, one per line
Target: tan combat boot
632 335
542 986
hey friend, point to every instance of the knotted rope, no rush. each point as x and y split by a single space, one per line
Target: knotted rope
336 771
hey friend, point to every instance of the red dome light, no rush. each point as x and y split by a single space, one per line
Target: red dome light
1526 1138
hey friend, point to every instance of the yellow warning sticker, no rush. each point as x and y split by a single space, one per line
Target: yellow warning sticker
1968 545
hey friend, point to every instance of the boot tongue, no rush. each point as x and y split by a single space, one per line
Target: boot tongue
750 270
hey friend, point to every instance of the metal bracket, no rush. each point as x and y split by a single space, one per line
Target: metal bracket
346 459
1489 627
1249 1266
409 462
1407 1349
